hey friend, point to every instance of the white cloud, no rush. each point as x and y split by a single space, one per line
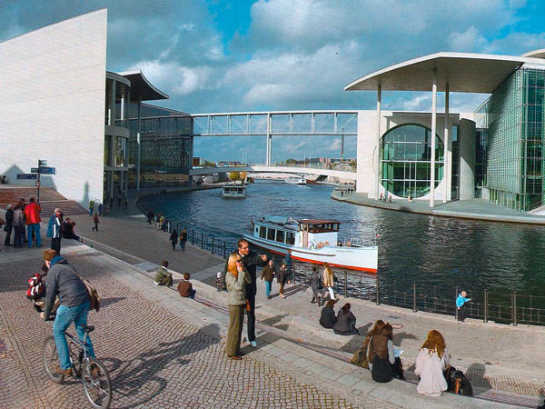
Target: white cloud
469 40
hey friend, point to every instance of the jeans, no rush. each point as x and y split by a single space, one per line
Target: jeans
268 288
36 229
56 245
7 240
250 316
182 244
65 316
19 233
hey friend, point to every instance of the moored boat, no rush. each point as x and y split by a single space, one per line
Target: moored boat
312 241
234 192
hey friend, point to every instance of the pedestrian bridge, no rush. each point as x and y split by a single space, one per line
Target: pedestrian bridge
274 169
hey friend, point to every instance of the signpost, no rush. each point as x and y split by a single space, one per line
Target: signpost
27 176
36 172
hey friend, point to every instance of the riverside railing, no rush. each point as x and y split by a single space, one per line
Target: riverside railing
486 305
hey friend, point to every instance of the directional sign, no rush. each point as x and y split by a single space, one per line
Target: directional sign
46 170
42 162
34 170
27 176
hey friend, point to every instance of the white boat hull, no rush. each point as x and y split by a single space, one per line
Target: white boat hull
351 258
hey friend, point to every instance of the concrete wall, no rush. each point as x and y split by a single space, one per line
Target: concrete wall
466 144
52 105
367 146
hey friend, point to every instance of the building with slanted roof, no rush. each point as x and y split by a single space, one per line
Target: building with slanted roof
62 105
494 153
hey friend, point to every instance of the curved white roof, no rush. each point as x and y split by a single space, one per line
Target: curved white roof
464 72
535 53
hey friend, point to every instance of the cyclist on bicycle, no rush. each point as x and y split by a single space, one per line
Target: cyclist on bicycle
75 304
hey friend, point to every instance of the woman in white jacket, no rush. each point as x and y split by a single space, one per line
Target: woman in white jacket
431 361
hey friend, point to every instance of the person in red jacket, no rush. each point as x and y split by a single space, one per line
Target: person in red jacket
32 217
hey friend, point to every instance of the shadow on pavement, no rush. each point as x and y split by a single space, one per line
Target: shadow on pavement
139 377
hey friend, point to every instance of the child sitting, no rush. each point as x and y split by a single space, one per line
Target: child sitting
185 288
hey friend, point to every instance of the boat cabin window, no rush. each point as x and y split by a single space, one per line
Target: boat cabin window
280 236
270 233
290 238
262 232
322 227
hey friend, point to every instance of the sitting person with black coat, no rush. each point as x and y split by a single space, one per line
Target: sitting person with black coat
327 317
346 322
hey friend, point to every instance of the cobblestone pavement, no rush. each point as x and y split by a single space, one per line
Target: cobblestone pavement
156 359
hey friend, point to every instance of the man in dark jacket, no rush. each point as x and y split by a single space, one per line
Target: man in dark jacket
251 260
75 304
9 225
315 286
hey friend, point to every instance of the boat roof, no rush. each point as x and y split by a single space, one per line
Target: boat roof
317 221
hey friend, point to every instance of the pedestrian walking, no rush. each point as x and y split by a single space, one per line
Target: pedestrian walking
281 278
100 209
315 286
267 275
250 260
91 207
18 224
460 305
328 279
96 221
174 239
54 230
32 220
237 280
8 227
183 239
149 215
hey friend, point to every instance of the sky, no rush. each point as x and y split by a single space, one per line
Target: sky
244 55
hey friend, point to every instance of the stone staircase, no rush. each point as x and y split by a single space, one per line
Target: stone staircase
49 200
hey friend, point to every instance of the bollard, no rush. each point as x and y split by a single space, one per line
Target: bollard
378 291
414 296
345 284
455 306
514 310
485 305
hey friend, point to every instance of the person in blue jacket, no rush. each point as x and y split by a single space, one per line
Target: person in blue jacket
460 303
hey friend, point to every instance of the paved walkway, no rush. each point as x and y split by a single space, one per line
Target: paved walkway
496 357
164 351
476 209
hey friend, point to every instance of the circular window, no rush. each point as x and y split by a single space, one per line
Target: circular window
406 160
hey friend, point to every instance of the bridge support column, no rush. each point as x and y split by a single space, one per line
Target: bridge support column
269 141
433 132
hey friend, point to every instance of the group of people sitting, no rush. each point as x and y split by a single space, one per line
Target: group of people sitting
164 277
344 323
432 366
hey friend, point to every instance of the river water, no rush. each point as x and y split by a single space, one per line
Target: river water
437 254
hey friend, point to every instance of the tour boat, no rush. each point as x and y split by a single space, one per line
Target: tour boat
312 241
234 192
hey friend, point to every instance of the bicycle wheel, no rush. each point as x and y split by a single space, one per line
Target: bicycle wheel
51 360
96 382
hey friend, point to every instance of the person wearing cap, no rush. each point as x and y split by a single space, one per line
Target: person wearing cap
54 230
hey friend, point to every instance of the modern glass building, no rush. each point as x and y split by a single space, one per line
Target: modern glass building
160 147
494 153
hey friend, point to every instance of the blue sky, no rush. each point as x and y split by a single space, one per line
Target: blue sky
219 55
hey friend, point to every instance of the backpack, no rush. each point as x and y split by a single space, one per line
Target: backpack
93 295
36 287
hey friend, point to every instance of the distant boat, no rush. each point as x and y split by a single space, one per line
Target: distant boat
234 192
312 241
296 181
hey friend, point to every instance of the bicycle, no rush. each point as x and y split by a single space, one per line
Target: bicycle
92 373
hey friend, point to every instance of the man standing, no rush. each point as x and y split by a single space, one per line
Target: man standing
9 225
54 230
75 304
250 260
32 217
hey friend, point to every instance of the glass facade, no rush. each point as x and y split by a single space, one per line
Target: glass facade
166 149
514 115
406 160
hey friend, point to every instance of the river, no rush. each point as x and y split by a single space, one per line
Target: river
438 254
